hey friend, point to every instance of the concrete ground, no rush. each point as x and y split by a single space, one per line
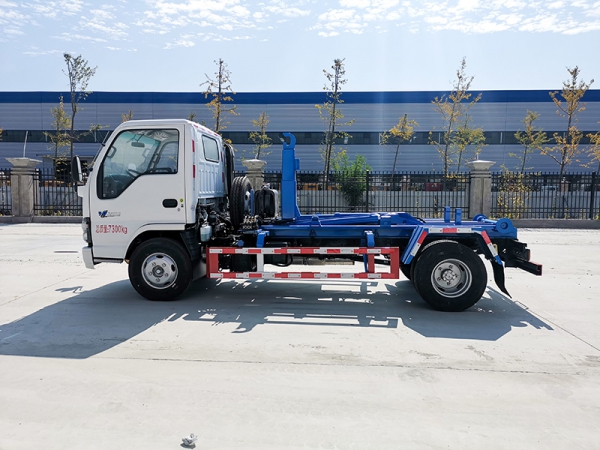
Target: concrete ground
87 363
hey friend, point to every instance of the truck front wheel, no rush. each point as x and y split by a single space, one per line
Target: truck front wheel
160 269
450 276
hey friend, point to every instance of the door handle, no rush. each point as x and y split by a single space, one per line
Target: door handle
170 203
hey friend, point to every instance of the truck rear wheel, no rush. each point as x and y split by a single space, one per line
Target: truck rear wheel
160 269
449 276
239 201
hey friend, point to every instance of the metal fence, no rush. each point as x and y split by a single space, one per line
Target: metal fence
423 194
546 195
5 193
55 195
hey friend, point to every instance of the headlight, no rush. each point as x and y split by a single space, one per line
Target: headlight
87 234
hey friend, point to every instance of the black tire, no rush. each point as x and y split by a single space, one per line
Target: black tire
413 263
239 201
450 276
229 165
160 269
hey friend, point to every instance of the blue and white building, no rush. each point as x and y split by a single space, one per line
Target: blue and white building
25 116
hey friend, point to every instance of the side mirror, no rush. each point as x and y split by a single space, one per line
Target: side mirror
76 173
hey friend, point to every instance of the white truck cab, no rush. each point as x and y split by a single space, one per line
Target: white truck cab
149 179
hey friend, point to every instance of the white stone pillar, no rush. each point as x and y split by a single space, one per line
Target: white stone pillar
480 191
255 172
23 188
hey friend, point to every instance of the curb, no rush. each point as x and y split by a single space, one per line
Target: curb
582 224
41 219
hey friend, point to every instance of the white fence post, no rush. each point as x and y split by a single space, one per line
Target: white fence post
23 188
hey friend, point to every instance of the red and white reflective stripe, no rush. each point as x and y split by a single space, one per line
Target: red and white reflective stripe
212 262
486 238
450 230
299 275
491 246
194 165
420 241
301 250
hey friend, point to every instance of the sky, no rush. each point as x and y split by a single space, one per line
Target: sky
285 45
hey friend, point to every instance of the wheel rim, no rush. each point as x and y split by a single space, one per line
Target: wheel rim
246 202
451 278
159 271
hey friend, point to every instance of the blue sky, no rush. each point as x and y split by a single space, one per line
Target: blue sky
284 45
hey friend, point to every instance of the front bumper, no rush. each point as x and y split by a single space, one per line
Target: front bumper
88 257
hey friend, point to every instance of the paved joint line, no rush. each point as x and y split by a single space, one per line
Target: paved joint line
573 334
558 326
382 366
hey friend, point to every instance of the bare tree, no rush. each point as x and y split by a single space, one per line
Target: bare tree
61 125
127 116
566 145
261 139
531 138
399 134
331 114
467 139
594 149
220 90
452 108
79 74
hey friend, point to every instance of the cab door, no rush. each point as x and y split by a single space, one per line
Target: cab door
139 185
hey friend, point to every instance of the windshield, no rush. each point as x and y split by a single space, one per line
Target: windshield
135 153
90 165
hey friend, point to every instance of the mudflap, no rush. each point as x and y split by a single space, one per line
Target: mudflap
499 277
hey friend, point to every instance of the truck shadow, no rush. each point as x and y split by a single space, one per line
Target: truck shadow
90 322
253 303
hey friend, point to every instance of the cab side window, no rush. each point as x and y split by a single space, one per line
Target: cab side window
211 149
